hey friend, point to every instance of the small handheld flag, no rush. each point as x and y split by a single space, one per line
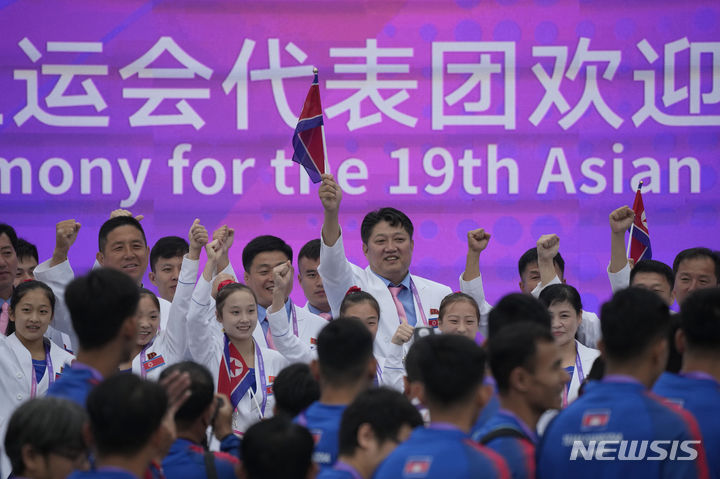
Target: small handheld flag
309 138
639 247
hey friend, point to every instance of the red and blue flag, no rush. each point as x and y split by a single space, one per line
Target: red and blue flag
309 138
639 235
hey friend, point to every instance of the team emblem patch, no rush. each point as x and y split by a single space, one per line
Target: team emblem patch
595 418
417 466
153 362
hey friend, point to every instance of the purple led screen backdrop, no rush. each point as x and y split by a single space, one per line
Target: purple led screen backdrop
520 117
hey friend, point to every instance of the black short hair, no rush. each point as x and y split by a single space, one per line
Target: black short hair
451 367
125 411
99 303
20 291
295 389
515 348
358 297
277 448
652 266
168 247
49 425
531 256
700 319
202 391
457 297
310 250
263 244
385 410
693 253
25 249
344 349
10 232
117 222
631 321
391 215
559 293
514 308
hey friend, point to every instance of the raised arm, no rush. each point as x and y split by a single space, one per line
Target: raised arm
330 195
287 344
175 335
619 268
201 340
471 279
547 248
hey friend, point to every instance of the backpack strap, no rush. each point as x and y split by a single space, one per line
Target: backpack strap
210 465
502 432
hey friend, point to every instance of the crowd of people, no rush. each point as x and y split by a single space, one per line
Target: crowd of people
380 374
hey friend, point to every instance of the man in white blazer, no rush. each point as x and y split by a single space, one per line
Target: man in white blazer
405 300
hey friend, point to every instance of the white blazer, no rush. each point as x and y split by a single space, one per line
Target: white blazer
16 380
205 344
57 278
338 275
296 349
170 344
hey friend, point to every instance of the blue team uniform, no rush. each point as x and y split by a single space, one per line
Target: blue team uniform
103 473
442 451
340 470
518 452
76 383
323 421
610 421
186 460
699 394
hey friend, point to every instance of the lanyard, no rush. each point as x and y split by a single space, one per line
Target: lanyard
580 376
379 374
143 357
268 335
294 319
419 304
50 372
344 466
260 368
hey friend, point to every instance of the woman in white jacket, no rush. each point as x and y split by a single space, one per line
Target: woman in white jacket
242 369
29 362
563 302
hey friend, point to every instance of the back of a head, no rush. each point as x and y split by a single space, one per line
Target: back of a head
25 249
344 349
560 293
202 391
631 321
514 308
384 409
99 303
653 266
168 247
310 250
695 253
277 448
125 411
295 389
262 244
117 222
449 366
392 216
531 256
48 425
515 347
700 320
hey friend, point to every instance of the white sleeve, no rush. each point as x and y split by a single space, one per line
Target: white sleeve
474 288
337 273
175 333
619 280
286 343
201 340
57 278
393 370
538 289
229 270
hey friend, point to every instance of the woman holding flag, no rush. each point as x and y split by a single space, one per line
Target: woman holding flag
242 369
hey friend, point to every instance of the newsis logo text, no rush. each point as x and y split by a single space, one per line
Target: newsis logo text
624 450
